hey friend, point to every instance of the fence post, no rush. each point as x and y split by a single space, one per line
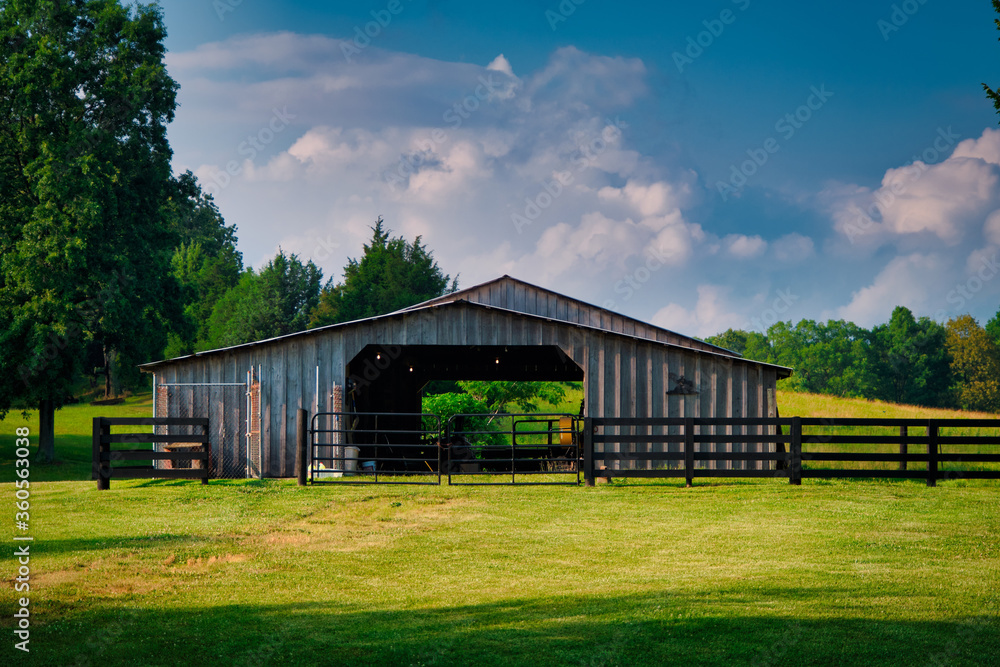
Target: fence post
795 474
689 451
96 440
206 447
103 467
903 432
301 438
932 454
588 451
95 472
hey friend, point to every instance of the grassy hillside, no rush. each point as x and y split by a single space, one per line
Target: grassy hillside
793 404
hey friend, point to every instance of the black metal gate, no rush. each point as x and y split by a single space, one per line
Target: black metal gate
375 447
487 449
472 449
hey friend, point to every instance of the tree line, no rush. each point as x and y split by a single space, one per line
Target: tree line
905 360
225 304
107 259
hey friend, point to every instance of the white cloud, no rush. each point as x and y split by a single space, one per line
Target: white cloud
710 314
793 248
986 147
913 281
921 205
501 64
744 247
456 152
991 228
648 200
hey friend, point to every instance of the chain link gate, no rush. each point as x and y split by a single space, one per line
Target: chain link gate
253 456
234 423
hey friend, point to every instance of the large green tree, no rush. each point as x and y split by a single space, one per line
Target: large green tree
749 344
993 328
907 361
975 365
274 302
84 172
206 264
827 358
391 274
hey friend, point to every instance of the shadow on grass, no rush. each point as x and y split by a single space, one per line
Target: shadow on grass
91 547
652 629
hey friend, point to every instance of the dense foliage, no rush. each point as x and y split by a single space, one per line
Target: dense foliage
392 274
85 173
906 360
275 301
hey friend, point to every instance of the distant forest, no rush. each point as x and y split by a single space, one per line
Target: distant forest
906 360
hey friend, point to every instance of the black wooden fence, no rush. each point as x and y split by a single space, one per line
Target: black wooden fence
732 447
191 450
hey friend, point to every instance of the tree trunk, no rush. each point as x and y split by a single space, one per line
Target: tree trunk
112 373
46 430
107 373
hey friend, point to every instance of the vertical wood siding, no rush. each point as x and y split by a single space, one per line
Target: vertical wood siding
623 377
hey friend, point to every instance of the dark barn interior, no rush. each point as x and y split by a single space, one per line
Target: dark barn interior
389 379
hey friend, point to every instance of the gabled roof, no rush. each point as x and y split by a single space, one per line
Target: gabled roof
512 294
474 297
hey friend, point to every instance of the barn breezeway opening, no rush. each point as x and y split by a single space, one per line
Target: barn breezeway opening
384 424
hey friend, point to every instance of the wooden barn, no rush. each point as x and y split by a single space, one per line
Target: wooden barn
504 329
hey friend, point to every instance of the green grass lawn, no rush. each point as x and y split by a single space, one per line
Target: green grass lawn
726 573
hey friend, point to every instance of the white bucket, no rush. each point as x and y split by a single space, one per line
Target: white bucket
351 460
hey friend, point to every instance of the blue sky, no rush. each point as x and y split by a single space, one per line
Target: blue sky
699 165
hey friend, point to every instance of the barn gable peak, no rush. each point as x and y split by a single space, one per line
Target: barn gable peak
519 296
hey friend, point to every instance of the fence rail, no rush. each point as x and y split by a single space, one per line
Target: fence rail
369 447
192 450
624 447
